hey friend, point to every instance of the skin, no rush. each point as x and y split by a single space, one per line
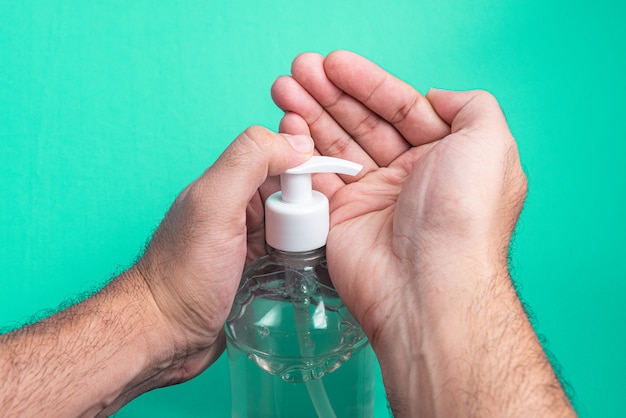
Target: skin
161 322
417 250
433 214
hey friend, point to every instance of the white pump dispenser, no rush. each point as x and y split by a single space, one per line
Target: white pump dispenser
297 217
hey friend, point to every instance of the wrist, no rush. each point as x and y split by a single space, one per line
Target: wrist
455 279
429 330
464 346
151 353
180 345
162 346
94 356
144 348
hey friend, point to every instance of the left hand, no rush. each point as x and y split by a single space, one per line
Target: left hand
193 264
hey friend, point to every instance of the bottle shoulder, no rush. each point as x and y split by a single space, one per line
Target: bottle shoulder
289 268
293 260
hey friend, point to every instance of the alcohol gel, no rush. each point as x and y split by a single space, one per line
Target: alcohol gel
294 349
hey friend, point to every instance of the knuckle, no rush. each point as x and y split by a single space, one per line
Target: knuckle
366 125
194 197
252 141
257 137
405 110
486 98
338 146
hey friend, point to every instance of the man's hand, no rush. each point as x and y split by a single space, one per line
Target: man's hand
160 322
418 244
194 262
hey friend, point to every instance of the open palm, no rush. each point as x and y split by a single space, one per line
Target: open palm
421 192
355 110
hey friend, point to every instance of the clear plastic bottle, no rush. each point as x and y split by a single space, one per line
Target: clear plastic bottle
294 349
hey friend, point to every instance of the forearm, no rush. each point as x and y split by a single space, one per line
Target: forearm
473 353
87 360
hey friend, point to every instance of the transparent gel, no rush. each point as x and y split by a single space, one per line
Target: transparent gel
294 349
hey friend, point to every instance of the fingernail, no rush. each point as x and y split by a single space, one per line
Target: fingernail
300 143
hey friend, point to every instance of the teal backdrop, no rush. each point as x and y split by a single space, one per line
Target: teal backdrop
109 108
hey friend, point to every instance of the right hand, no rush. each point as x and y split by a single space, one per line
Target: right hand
442 187
419 241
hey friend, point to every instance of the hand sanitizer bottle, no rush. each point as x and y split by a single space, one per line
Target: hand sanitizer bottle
294 349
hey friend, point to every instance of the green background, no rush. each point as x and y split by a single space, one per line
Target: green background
109 108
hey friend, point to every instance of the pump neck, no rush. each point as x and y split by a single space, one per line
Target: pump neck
301 257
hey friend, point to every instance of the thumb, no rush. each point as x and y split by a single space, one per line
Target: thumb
473 109
253 156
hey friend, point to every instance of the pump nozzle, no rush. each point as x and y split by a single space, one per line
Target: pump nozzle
296 218
295 183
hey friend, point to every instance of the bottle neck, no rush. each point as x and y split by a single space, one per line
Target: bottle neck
300 255
312 257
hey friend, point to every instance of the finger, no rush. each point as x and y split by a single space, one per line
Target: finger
289 124
375 135
391 98
479 124
468 109
292 97
326 183
292 123
476 116
253 156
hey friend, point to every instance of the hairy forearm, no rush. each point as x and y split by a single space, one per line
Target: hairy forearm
87 360
473 353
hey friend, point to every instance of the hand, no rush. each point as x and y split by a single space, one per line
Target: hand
442 180
419 241
194 262
160 322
